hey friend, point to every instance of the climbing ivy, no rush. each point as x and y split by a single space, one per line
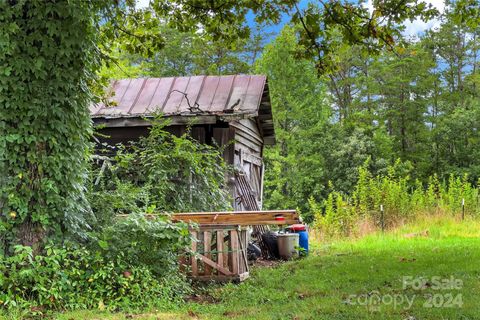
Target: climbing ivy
46 62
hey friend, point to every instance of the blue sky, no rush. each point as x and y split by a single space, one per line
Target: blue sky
412 28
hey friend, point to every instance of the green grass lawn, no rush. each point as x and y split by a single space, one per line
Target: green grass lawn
369 269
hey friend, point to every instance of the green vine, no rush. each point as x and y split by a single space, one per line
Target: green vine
46 62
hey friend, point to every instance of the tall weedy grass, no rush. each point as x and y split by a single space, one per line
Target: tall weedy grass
401 198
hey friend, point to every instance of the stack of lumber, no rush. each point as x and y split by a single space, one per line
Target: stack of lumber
248 201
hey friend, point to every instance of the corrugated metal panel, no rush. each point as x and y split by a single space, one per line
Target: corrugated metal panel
222 94
213 95
143 101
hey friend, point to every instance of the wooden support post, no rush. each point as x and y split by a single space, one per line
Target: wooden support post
242 237
207 244
234 249
220 253
193 262
182 261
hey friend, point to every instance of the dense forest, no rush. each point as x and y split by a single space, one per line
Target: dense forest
416 104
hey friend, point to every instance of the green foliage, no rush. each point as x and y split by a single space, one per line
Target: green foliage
155 243
295 164
200 36
338 219
185 54
370 268
121 198
49 55
161 173
46 61
418 103
401 199
71 277
129 265
320 25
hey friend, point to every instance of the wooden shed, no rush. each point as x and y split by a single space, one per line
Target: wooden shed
233 111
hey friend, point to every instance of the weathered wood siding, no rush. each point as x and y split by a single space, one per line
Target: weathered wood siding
248 137
225 137
248 155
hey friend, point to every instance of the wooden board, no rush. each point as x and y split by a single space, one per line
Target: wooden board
206 248
244 140
193 261
223 278
225 137
242 218
233 218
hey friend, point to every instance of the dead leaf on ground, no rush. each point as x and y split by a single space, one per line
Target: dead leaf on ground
192 314
403 259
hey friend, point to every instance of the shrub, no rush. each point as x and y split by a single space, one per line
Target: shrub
129 265
401 199
141 241
70 277
338 218
160 173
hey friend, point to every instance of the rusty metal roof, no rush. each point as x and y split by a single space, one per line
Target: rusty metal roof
183 95
206 98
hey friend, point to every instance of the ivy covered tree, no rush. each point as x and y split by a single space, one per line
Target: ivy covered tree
46 62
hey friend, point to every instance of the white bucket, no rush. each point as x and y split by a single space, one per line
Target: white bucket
288 244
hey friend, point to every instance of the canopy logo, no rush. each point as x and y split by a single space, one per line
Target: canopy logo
443 295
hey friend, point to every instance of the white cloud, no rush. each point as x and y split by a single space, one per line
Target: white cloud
142 4
417 26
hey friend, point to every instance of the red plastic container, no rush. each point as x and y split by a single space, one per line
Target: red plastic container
297 227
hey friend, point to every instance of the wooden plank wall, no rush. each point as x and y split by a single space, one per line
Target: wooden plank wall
248 136
225 137
248 155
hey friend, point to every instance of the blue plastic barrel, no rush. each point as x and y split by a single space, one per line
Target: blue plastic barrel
303 234
303 241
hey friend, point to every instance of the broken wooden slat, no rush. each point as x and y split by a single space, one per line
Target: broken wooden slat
212 264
